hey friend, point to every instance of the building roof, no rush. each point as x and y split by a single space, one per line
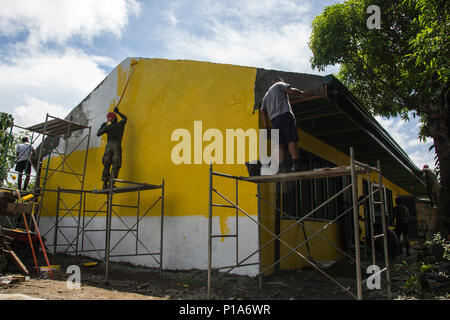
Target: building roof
336 117
332 114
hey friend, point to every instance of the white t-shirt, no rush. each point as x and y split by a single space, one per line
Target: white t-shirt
276 100
24 151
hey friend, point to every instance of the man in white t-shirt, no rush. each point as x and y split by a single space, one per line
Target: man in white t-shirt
276 107
24 151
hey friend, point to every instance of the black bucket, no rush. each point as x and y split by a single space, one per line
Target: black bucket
254 169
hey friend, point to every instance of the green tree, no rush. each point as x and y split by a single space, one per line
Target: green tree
6 122
401 69
9 141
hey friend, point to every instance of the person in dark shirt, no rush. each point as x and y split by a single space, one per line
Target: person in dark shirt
433 185
401 214
113 151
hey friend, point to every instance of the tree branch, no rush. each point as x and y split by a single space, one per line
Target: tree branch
368 70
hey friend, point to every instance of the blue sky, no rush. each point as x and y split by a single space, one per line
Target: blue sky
53 53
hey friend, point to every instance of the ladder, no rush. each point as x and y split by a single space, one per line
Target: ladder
372 190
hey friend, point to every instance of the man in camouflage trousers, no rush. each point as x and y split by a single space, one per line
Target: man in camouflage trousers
113 151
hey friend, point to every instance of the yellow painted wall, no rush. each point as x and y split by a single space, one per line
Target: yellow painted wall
163 96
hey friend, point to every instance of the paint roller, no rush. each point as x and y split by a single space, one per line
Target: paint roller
27 197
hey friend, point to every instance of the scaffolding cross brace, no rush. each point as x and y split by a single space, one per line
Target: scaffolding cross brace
353 170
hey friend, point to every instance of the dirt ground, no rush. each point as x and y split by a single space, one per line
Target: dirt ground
128 282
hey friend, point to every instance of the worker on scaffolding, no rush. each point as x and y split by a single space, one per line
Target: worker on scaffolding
401 214
113 151
24 152
433 185
276 107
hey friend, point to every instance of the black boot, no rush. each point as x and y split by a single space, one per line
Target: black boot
105 185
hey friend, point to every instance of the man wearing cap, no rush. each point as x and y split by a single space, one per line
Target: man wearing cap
113 151
276 107
433 186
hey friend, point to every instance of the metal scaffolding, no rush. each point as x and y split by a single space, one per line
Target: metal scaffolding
355 169
131 187
73 220
52 130
50 133
83 219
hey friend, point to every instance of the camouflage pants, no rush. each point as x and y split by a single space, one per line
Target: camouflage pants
112 157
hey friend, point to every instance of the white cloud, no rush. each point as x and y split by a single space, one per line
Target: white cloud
406 135
420 158
49 20
53 70
266 48
261 33
34 111
40 71
60 78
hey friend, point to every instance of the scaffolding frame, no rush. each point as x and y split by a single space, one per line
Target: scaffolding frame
133 187
356 168
83 222
51 128
54 127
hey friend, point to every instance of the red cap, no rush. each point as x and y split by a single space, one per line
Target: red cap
111 116
425 166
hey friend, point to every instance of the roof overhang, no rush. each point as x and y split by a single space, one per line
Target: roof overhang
336 117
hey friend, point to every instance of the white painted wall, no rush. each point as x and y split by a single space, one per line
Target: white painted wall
185 241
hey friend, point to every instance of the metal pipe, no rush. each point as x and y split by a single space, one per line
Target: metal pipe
385 240
162 226
83 223
237 221
108 229
55 241
137 218
208 295
82 194
225 175
259 237
356 223
38 173
371 218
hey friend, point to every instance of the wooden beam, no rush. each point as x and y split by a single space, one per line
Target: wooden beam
16 259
